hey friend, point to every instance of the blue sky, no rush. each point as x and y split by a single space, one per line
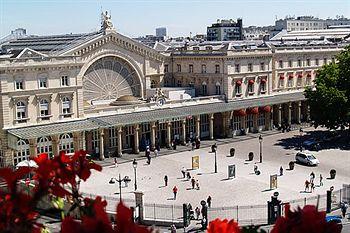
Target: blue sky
140 17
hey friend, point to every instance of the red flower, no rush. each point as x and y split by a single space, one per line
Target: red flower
124 221
82 165
225 226
303 220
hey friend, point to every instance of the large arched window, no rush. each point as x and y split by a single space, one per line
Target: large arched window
21 111
204 88
22 152
44 145
66 143
66 106
217 88
44 108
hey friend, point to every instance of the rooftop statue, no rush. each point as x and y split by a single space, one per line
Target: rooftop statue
106 21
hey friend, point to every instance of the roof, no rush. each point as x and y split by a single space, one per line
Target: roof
330 34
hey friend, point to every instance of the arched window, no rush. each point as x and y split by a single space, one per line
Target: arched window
66 143
153 84
44 145
22 152
66 106
44 108
218 89
204 88
21 111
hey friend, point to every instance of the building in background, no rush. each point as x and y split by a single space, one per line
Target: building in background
225 30
15 34
161 32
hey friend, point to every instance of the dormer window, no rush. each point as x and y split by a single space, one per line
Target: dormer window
64 80
43 82
19 85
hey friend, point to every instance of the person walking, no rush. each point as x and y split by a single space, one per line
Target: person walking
115 162
312 186
209 201
175 192
188 176
198 212
183 171
193 182
173 228
197 184
155 152
312 177
343 207
321 180
307 184
281 171
166 180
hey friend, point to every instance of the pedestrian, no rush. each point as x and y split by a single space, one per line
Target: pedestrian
343 207
281 171
197 184
155 152
209 201
312 177
183 171
166 180
307 184
321 180
188 176
193 182
175 192
193 144
115 162
173 228
312 186
174 145
198 212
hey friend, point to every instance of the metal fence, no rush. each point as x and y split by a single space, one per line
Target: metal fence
173 213
112 202
244 215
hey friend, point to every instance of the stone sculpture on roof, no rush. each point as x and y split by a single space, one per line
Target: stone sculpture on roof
106 21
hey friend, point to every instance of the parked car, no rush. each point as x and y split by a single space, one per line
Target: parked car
336 219
306 158
312 144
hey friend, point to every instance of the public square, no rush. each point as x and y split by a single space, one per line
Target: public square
246 189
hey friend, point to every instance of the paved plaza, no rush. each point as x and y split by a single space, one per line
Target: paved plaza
246 189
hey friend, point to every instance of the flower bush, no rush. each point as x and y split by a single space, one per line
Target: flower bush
60 177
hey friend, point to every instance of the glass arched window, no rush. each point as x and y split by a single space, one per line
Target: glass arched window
66 106
21 111
44 108
204 88
22 152
218 89
153 84
44 145
66 143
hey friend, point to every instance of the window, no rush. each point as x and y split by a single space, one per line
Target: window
153 84
22 152
64 81
66 106
317 62
19 85
290 81
204 123
250 67
250 87
249 121
21 112
237 68
204 88
44 109
42 82
263 85
66 143
299 63
238 90
308 62
262 66
218 89
261 119
290 63
217 69
281 83
178 68
204 69
308 81
166 68
324 61
280 64
95 140
179 83
236 123
44 145
190 68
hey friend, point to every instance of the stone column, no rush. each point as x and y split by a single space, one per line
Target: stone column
120 141
83 140
279 115
184 131
102 144
271 115
289 113
267 120
298 109
137 139
211 126
198 126
55 139
77 141
153 135
33 147
139 203
168 134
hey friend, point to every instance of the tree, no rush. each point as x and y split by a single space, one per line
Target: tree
329 100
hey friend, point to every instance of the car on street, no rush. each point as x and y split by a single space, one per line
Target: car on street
306 158
336 219
312 144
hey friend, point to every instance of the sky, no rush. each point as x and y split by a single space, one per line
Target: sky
140 17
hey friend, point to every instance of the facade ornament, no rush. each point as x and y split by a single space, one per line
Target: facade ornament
106 21
159 97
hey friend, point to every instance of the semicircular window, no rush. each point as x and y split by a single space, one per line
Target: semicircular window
109 78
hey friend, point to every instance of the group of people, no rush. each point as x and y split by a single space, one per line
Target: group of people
195 214
195 142
187 175
310 184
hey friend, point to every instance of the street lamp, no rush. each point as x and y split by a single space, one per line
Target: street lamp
134 164
301 135
126 179
260 151
216 165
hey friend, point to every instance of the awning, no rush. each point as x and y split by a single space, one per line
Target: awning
281 77
263 80
251 81
239 83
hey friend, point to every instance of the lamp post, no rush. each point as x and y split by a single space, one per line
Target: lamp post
216 165
260 149
126 179
301 135
134 164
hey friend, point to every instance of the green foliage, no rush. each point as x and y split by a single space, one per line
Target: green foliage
330 99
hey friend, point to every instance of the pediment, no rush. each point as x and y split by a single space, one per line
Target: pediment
30 53
113 39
